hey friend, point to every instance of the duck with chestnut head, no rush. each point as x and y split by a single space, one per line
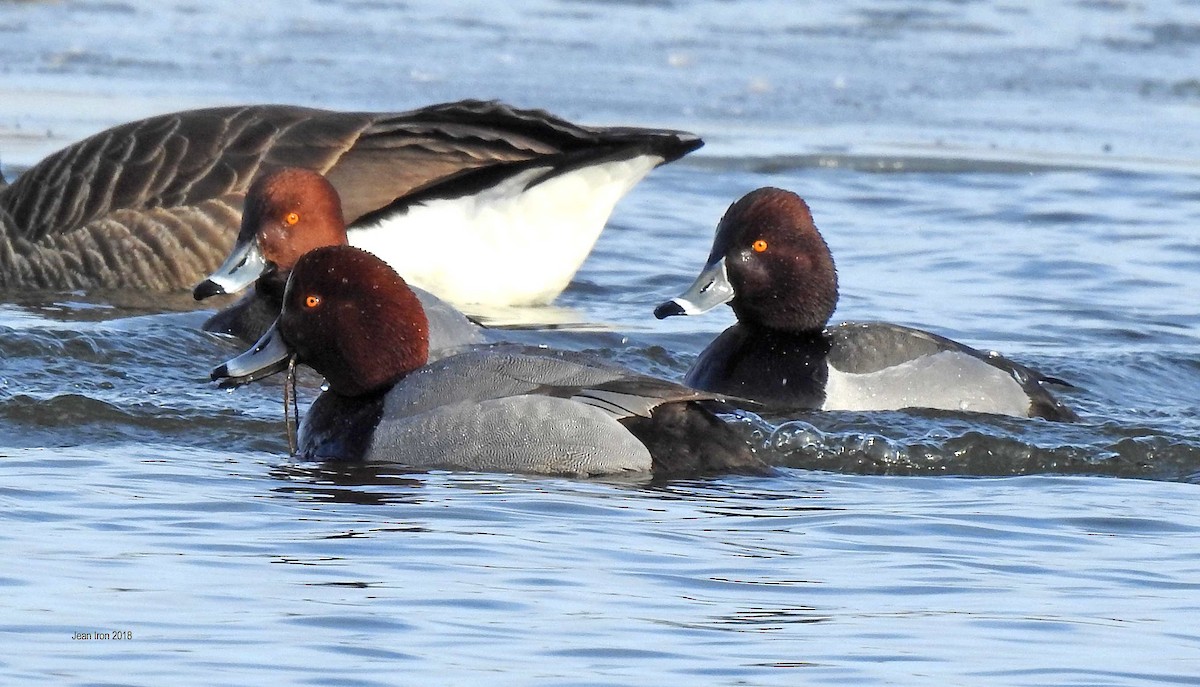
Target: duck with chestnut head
771 264
354 320
287 213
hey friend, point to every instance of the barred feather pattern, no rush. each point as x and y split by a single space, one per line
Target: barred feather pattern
155 204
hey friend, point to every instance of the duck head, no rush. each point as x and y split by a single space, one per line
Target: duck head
287 213
769 262
347 315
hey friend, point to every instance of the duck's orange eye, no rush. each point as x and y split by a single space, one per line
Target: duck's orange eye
292 218
759 246
312 301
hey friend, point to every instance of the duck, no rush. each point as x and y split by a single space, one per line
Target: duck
287 212
478 201
501 408
772 266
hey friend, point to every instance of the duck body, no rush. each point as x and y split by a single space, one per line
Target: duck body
870 366
155 204
525 410
500 408
772 266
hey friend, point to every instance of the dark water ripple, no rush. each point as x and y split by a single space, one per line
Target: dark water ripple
120 382
937 447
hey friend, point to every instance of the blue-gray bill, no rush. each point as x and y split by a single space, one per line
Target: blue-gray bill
244 264
711 288
269 355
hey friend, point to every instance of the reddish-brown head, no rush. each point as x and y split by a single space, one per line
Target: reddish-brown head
350 317
781 270
289 212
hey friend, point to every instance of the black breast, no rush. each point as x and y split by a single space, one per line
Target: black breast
338 428
775 368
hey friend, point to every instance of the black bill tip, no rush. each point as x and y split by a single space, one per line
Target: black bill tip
225 380
207 288
665 310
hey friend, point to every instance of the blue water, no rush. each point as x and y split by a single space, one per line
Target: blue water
1019 176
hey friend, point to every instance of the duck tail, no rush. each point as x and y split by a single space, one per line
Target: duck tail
686 439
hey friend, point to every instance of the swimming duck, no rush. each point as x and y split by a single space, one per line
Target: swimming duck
352 318
769 262
466 189
288 212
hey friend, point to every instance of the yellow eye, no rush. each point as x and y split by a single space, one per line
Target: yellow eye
759 246
292 217
312 301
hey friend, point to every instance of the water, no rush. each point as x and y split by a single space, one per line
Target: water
1019 177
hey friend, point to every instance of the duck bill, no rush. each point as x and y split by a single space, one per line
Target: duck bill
240 269
711 288
266 357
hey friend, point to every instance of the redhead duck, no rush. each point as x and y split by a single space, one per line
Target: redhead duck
352 318
154 204
287 213
770 263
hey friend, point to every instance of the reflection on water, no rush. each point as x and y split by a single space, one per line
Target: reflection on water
344 484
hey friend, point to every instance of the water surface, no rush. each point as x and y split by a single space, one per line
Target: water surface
1018 177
